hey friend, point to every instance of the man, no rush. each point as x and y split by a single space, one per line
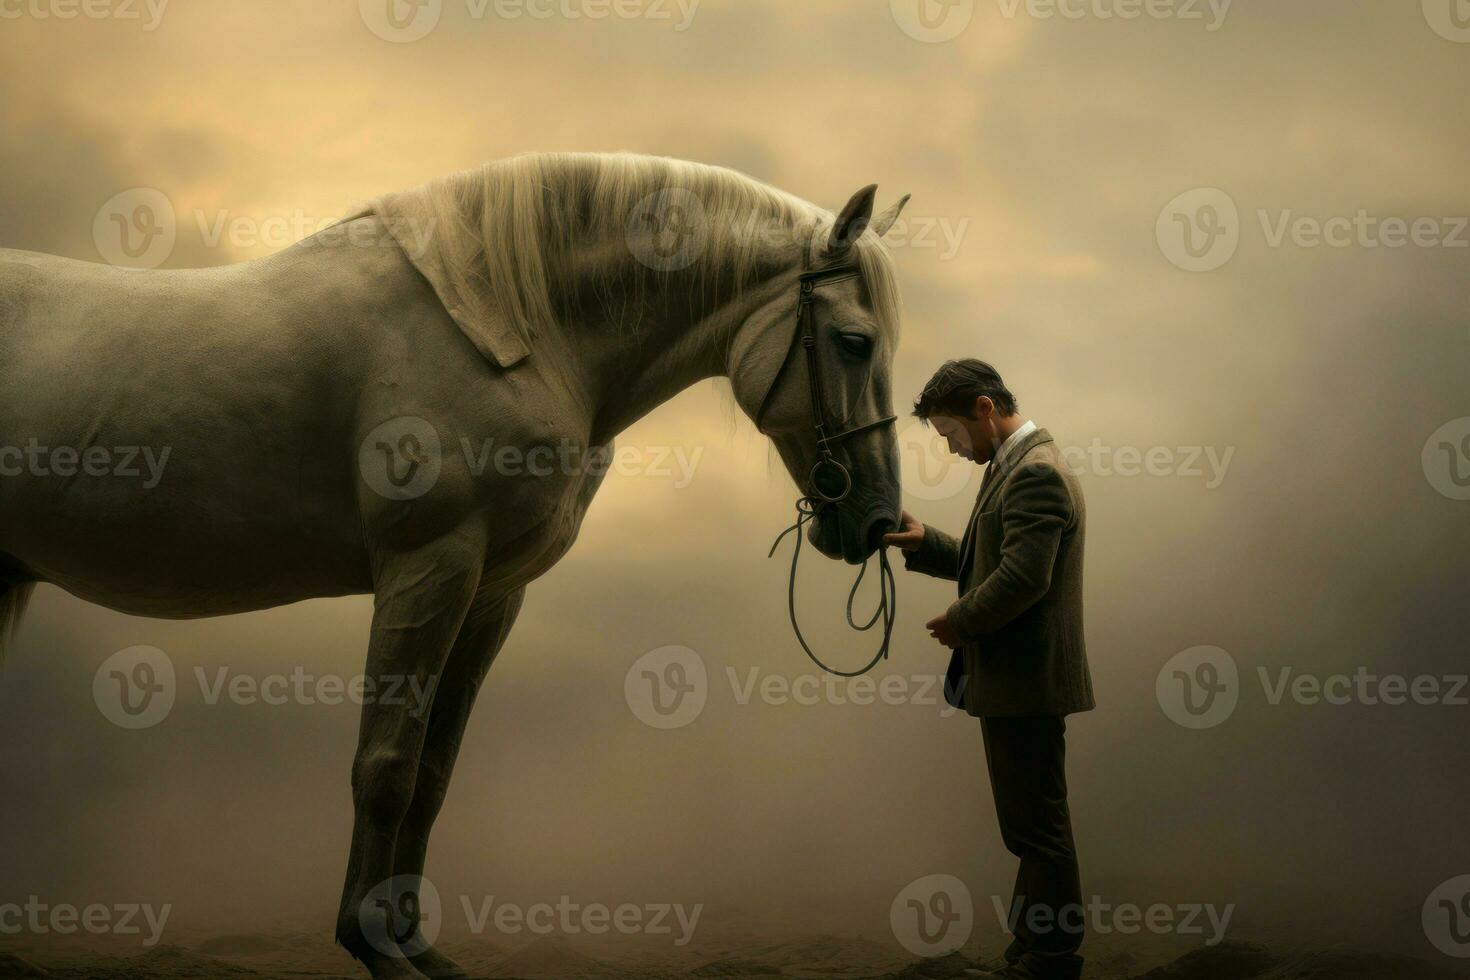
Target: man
1019 663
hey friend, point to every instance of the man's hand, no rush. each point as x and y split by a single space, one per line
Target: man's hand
940 629
909 536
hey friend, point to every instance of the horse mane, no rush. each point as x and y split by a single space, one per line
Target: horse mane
506 233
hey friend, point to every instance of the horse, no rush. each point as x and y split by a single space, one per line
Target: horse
306 403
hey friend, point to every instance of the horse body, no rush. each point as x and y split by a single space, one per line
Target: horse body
326 421
243 394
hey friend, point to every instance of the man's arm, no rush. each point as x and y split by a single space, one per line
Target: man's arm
938 554
925 549
1035 512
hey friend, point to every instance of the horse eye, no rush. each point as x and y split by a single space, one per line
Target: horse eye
856 343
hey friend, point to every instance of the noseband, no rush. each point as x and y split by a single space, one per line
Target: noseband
830 481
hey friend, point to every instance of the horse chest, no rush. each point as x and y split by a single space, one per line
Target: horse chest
535 539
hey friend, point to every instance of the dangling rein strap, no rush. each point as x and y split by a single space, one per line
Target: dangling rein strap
809 504
806 509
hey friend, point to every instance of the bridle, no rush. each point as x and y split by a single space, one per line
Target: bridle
830 481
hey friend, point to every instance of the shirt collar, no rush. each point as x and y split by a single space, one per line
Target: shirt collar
1006 448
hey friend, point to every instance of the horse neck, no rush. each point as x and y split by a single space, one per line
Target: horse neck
635 360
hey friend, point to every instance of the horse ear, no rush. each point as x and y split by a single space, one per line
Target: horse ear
853 219
885 221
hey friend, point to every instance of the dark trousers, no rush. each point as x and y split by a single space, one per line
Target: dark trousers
1027 762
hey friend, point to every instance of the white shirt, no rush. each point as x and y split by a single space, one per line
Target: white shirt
1026 428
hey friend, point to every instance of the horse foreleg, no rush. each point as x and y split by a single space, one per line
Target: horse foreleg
480 639
420 602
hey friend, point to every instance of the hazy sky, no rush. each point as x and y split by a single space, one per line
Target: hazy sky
1289 395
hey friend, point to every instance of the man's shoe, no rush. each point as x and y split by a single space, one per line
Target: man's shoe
1012 954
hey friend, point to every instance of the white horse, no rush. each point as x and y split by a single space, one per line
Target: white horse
308 403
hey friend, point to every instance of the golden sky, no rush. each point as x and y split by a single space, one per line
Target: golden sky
1047 150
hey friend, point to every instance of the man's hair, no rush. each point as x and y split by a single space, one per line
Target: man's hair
957 384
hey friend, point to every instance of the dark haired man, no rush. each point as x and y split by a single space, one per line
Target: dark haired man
1019 663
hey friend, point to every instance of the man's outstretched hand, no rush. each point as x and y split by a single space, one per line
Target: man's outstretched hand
909 536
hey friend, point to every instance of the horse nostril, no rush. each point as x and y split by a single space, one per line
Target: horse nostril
877 527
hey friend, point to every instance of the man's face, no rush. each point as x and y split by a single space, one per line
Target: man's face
967 437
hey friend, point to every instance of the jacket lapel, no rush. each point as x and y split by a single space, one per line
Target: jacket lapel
993 479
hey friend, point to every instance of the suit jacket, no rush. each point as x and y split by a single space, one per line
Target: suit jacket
1019 569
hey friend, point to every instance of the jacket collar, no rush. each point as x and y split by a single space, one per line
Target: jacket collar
1010 460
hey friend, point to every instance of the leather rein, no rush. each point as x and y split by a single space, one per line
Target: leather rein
830 482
